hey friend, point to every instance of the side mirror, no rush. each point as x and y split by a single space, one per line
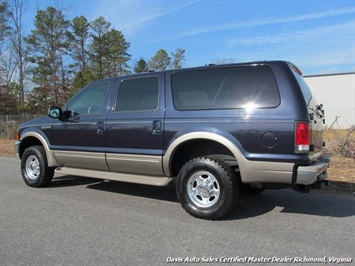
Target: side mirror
55 112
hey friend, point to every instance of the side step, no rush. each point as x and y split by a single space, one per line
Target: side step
130 178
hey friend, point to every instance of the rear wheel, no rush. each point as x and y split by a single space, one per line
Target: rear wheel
207 188
34 168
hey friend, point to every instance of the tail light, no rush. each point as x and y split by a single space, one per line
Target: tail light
302 137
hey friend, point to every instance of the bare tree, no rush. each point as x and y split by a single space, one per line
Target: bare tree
17 9
4 47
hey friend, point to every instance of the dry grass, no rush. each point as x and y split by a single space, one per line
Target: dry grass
342 170
340 142
7 147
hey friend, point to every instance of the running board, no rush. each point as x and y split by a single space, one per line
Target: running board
130 178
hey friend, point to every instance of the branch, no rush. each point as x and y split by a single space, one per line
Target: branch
336 120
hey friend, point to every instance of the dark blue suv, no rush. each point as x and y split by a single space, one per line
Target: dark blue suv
217 130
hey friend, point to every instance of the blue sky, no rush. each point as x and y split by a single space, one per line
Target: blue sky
317 35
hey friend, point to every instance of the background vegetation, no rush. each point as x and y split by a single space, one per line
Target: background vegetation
60 56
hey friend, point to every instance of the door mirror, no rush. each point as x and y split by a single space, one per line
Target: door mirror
55 112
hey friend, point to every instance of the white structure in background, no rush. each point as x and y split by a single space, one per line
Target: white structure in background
337 94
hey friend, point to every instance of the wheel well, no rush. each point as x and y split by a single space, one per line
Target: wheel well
28 142
200 148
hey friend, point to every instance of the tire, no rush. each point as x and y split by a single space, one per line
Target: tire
249 190
207 188
34 168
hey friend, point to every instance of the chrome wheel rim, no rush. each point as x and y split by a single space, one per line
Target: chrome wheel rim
203 189
32 167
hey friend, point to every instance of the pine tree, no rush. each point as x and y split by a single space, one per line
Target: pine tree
178 57
79 38
160 61
98 48
108 50
81 79
141 66
116 59
48 43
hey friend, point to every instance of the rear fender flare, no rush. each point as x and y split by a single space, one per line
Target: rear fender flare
232 146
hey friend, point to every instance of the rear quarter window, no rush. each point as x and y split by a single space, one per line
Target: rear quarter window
225 88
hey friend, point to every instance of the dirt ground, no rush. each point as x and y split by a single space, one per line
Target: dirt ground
7 147
341 171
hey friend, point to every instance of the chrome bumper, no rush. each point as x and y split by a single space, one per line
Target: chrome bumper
307 175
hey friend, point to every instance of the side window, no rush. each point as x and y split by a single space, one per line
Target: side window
137 95
90 100
225 88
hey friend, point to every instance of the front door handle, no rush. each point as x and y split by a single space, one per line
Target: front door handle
100 128
156 127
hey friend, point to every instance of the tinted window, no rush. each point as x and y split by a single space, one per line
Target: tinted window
225 88
137 95
90 100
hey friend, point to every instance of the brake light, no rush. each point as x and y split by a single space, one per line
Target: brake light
302 137
298 71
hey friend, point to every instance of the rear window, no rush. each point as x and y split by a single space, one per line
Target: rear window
225 88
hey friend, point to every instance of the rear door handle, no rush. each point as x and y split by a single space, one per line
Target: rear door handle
156 127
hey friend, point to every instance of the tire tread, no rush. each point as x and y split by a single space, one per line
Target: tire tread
46 173
230 177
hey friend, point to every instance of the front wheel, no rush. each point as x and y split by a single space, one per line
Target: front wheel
207 188
34 168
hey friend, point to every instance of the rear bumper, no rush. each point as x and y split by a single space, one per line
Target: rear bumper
316 172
